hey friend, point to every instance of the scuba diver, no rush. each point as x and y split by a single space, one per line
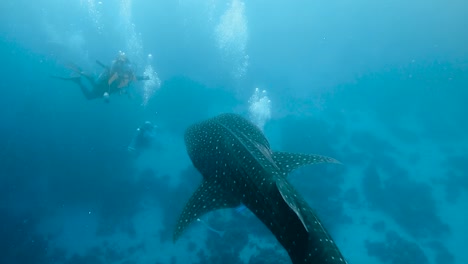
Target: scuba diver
113 79
142 139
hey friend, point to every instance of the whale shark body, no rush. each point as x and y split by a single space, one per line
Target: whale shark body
238 167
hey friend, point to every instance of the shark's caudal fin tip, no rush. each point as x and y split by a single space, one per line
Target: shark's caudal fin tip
335 161
316 159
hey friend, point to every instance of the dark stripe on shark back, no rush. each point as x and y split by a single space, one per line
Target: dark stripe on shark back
237 124
249 177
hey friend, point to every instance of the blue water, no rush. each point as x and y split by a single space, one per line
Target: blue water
380 86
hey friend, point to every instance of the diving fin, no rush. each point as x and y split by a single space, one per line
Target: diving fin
102 65
75 79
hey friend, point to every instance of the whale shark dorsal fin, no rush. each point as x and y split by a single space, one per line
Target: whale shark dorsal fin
209 196
288 162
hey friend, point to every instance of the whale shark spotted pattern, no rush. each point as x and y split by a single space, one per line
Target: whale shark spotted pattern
238 167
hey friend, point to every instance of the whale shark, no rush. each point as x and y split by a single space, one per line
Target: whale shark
239 168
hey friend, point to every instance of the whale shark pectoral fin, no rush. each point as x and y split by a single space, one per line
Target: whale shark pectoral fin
289 197
208 197
288 162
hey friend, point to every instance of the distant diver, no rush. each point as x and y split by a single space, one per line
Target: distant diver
114 79
143 138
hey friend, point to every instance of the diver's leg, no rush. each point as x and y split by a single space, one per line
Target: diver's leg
79 71
90 94
90 78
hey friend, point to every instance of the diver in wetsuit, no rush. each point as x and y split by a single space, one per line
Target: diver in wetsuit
142 139
113 79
